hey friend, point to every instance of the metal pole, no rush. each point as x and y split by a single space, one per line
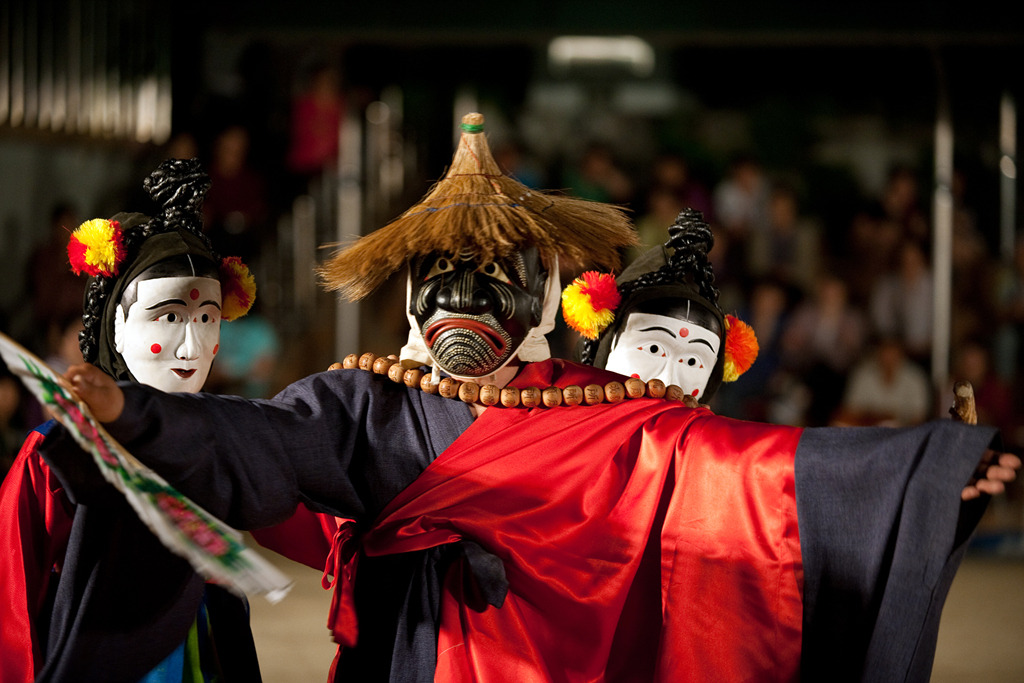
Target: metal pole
347 331
942 252
1007 177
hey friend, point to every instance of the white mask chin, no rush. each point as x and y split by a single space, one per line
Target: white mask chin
661 347
171 333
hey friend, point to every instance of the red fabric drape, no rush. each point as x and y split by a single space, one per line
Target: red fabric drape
35 523
567 499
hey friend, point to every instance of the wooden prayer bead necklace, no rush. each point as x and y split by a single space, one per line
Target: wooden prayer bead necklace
510 397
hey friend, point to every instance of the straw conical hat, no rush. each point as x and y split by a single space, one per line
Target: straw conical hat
477 209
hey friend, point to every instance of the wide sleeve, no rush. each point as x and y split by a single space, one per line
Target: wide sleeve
882 533
34 525
343 442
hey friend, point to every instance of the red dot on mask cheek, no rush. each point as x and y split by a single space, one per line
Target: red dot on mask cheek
156 348
684 332
694 393
216 349
636 375
194 294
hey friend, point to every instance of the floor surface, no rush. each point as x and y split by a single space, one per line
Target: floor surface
981 638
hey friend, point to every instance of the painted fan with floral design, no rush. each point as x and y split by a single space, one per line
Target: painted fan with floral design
214 549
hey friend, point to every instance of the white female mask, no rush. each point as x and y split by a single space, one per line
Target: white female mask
170 335
674 350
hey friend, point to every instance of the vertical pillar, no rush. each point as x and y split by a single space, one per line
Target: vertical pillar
942 243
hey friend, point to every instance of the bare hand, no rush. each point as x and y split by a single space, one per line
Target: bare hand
994 471
97 390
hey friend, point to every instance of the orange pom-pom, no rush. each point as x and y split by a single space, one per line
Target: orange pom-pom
741 348
96 248
589 303
237 287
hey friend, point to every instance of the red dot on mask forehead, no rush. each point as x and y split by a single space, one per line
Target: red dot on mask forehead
684 332
194 294
156 348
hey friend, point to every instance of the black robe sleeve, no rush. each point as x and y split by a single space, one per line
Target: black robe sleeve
343 442
882 533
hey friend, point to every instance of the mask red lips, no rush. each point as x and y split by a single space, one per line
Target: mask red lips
486 332
184 374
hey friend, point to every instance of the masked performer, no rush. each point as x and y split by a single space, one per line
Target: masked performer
89 593
530 518
660 318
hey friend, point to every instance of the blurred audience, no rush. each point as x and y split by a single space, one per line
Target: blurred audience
902 302
14 423
236 213
886 389
516 162
901 204
823 339
315 126
763 389
53 290
740 205
246 362
599 177
993 397
788 246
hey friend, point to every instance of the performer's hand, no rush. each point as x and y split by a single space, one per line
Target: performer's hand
992 475
97 390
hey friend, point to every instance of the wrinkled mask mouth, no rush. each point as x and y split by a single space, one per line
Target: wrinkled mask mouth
459 326
470 346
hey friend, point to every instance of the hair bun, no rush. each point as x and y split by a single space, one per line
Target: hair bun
179 186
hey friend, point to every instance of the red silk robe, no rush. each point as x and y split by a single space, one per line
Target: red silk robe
713 593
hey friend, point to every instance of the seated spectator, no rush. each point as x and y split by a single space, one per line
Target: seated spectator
886 389
788 246
823 338
901 302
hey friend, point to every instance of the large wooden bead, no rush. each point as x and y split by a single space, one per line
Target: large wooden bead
449 388
350 362
366 361
614 391
381 365
674 392
635 388
490 394
469 392
655 388
572 395
412 377
593 394
427 384
530 397
396 373
552 396
510 397
335 366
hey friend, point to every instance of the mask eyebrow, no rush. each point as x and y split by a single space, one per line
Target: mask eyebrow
705 342
210 302
168 302
659 328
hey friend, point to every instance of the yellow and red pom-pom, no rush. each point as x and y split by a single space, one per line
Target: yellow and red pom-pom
96 248
237 287
741 348
589 303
